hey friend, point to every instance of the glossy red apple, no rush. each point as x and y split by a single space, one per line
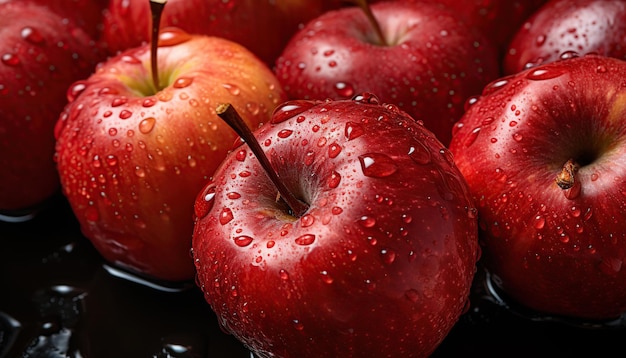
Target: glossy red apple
379 263
133 157
40 56
429 63
543 152
562 28
264 27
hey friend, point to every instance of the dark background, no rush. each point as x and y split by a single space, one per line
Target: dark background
58 300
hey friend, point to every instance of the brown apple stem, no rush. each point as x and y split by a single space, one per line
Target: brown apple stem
229 115
156 9
365 6
567 177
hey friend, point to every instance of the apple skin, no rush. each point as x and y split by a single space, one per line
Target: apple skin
555 251
565 27
381 263
264 27
35 73
131 160
432 64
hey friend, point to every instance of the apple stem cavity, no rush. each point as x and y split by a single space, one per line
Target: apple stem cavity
230 115
156 9
365 6
567 176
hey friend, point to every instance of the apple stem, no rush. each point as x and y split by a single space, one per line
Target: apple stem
230 115
156 9
567 176
365 6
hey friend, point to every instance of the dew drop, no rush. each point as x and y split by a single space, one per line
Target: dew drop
243 240
232 89
336 210
344 89
326 278
10 59
309 157
284 133
131 59
119 101
540 222
419 154
183 82
334 179
75 90
306 239
226 216
388 256
367 98
298 325
241 155
173 36
233 195
149 102
307 220
334 150
353 130
517 137
32 35
473 135
367 221
140 172
290 109
111 160
146 125
377 165
544 74
284 275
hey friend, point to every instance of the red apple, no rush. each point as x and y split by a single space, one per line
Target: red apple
380 262
264 27
428 65
562 28
132 157
40 56
543 152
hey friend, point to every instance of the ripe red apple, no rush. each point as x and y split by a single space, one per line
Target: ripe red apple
40 56
429 63
379 263
132 157
543 153
562 28
264 27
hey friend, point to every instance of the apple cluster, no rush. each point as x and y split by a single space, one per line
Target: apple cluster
330 174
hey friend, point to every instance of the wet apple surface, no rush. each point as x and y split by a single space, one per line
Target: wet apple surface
59 300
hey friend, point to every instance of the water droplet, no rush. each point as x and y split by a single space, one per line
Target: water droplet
334 150
306 239
353 130
298 325
131 59
284 275
32 35
290 109
544 74
540 222
326 278
367 221
344 89
307 220
241 155
232 89
284 133
336 210
140 172
419 153
473 135
226 216
309 157
149 102
388 256
334 179
111 160
377 165
540 40
119 101
517 137
368 98
233 195
10 59
146 125
183 82
75 90
173 36
243 240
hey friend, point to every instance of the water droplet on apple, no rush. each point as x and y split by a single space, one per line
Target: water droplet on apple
10 59
540 222
334 179
368 98
284 275
336 210
601 69
149 102
540 40
367 221
377 165
334 150
473 135
75 90
419 154
290 109
146 125
173 36
232 88
298 325
284 133
568 55
307 220
305 240
309 157
226 216
241 155
182 82
344 89
111 160
140 172
32 35
119 101
388 256
517 137
326 278
243 240
544 74
353 130
495 85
